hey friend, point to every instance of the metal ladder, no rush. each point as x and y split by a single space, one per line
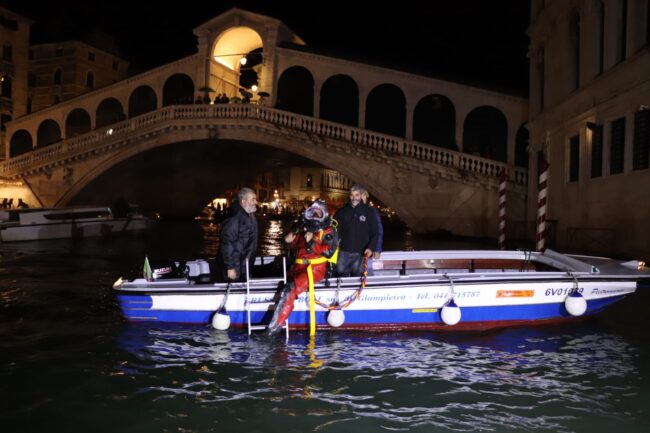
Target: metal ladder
251 327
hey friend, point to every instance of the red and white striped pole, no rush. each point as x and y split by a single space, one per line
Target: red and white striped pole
541 205
503 178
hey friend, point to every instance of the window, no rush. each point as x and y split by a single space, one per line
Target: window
6 87
596 150
91 56
574 158
31 79
601 38
57 76
309 181
574 51
7 53
116 65
617 146
59 52
540 79
29 105
90 80
621 42
641 149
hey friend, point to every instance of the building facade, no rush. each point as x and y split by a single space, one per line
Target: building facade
590 120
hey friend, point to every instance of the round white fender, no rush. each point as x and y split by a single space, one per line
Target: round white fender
221 321
335 318
575 304
450 313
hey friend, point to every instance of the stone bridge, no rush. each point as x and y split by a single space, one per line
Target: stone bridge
430 187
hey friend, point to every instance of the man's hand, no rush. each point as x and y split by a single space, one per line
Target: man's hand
376 255
290 237
232 274
308 236
367 252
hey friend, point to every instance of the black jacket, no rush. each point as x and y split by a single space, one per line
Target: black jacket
238 240
357 227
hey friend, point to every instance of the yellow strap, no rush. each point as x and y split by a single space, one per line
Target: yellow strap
312 302
316 261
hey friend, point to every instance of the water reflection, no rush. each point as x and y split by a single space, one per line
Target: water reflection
523 378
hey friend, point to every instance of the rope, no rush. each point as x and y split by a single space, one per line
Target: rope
350 298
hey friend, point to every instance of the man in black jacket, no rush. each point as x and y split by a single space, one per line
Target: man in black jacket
238 241
358 232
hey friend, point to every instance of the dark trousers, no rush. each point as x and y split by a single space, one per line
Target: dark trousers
349 264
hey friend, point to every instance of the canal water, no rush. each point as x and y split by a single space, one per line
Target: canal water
71 364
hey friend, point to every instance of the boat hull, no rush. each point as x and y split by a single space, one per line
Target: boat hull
73 229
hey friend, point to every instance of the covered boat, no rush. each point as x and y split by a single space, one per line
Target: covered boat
70 222
421 290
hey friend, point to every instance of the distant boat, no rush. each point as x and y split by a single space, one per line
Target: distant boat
72 222
410 290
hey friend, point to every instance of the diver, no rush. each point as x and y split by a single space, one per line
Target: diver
315 245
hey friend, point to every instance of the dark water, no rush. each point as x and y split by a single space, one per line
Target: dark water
70 364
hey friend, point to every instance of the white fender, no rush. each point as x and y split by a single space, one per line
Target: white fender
575 304
221 321
450 313
335 318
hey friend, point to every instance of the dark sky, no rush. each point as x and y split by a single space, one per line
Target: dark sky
475 41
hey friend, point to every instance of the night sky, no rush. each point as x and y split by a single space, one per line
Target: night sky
472 41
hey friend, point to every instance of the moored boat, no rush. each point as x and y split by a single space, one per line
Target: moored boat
423 290
69 222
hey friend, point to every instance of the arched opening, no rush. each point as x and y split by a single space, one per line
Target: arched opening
178 89
5 87
236 62
21 142
434 121
521 147
109 111
296 91
485 133
386 110
77 122
339 100
142 100
48 133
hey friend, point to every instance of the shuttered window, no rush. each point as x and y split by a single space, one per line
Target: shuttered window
597 151
617 146
641 149
574 158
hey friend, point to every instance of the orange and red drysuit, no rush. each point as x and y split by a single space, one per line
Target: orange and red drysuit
320 250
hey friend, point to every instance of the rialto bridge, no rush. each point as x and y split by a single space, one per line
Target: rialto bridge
431 149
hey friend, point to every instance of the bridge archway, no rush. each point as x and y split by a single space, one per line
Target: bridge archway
386 110
434 121
48 133
296 91
178 89
21 142
233 44
142 100
485 133
109 111
77 123
339 100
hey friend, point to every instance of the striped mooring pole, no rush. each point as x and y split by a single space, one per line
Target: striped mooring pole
503 178
541 205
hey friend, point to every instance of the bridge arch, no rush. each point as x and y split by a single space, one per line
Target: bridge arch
21 142
296 91
108 112
485 133
178 89
49 132
339 100
77 122
142 100
386 110
434 121
233 44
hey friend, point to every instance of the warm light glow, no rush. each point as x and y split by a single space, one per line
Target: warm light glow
233 44
110 131
254 87
243 61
